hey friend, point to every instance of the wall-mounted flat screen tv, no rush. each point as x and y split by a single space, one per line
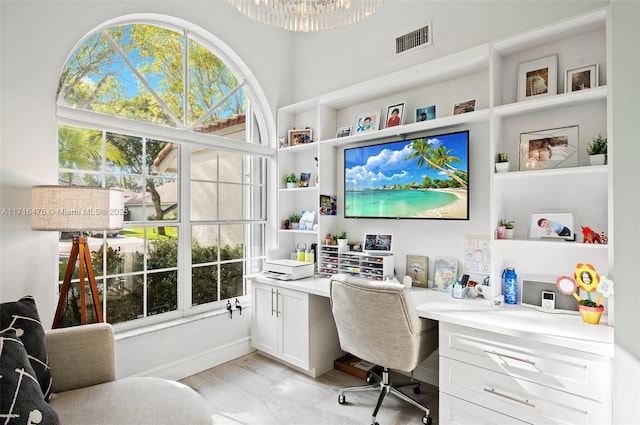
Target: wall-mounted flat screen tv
420 178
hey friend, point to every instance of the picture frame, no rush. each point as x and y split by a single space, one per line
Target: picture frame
426 113
553 225
547 149
418 270
367 121
395 115
300 137
305 178
343 131
538 78
464 107
445 273
581 78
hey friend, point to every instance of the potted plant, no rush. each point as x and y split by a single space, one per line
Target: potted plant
291 180
597 150
588 280
341 239
508 228
294 219
502 162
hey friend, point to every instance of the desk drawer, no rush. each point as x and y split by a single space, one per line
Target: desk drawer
557 367
527 401
452 410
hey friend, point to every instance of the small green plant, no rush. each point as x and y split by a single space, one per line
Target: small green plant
294 218
588 303
290 178
502 157
342 235
597 146
507 224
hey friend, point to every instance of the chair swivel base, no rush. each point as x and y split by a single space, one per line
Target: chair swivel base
385 387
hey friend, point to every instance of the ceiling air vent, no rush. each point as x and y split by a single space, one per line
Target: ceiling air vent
418 38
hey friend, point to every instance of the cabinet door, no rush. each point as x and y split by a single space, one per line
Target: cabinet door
292 309
263 319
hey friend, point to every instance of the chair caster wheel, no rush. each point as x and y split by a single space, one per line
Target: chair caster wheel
341 399
426 420
416 389
370 379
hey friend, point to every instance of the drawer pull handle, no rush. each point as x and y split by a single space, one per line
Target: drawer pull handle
525 402
510 357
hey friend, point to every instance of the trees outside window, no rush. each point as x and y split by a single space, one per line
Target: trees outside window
137 103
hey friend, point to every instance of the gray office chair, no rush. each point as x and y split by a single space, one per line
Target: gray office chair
378 322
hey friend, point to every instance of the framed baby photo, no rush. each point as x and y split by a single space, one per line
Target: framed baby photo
552 225
368 121
538 78
395 115
426 113
552 148
581 78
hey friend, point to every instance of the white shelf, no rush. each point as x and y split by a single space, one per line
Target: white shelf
551 102
536 174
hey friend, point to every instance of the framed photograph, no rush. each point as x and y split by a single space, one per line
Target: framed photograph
417 269
305 178
464 107
368 121
300 137
445 273
553 148
426 113
553 225
395 115
538 78
582 78
344 131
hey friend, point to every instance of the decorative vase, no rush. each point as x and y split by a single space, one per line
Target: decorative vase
591 315
291 185
295 226
342 242
502 167
500 232
508 233
599 159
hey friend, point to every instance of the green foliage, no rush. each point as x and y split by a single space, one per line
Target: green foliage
588 303
294 218
290 178
341 235
506 223
502 157
597 146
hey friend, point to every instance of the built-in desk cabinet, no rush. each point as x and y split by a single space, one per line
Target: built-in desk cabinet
486 377
295 327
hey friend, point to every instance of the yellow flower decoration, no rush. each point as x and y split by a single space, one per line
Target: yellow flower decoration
586 277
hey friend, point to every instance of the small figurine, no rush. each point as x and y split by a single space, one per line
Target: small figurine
589 236
286 224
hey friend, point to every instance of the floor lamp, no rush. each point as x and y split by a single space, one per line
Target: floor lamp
77 209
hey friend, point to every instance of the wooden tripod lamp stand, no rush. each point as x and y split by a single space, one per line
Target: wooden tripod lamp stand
78 209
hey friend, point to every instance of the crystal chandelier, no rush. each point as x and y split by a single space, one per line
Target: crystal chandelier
307 15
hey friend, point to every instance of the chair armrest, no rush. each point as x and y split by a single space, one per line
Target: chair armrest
80 356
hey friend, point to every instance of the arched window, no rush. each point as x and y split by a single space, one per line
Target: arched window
156 107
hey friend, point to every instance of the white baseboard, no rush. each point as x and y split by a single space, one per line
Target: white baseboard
201 361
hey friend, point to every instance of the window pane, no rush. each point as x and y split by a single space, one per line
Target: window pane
204 201
124 154
231 167
125 298
204 164
231 282
232 241
79 148
162 292
204 284
162 247
204 248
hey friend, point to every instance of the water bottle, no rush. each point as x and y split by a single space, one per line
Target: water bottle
510 285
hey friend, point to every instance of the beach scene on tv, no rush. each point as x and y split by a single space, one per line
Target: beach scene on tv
424 177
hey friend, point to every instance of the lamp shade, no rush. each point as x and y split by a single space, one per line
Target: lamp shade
76 208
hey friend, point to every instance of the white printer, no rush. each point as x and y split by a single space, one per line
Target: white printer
287 269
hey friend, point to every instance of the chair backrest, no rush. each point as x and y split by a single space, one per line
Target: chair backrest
378 322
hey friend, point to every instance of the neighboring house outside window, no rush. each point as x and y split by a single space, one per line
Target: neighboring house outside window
156 111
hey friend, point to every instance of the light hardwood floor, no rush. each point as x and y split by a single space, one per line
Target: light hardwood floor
256 390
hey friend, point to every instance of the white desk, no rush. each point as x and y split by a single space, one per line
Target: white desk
505 364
